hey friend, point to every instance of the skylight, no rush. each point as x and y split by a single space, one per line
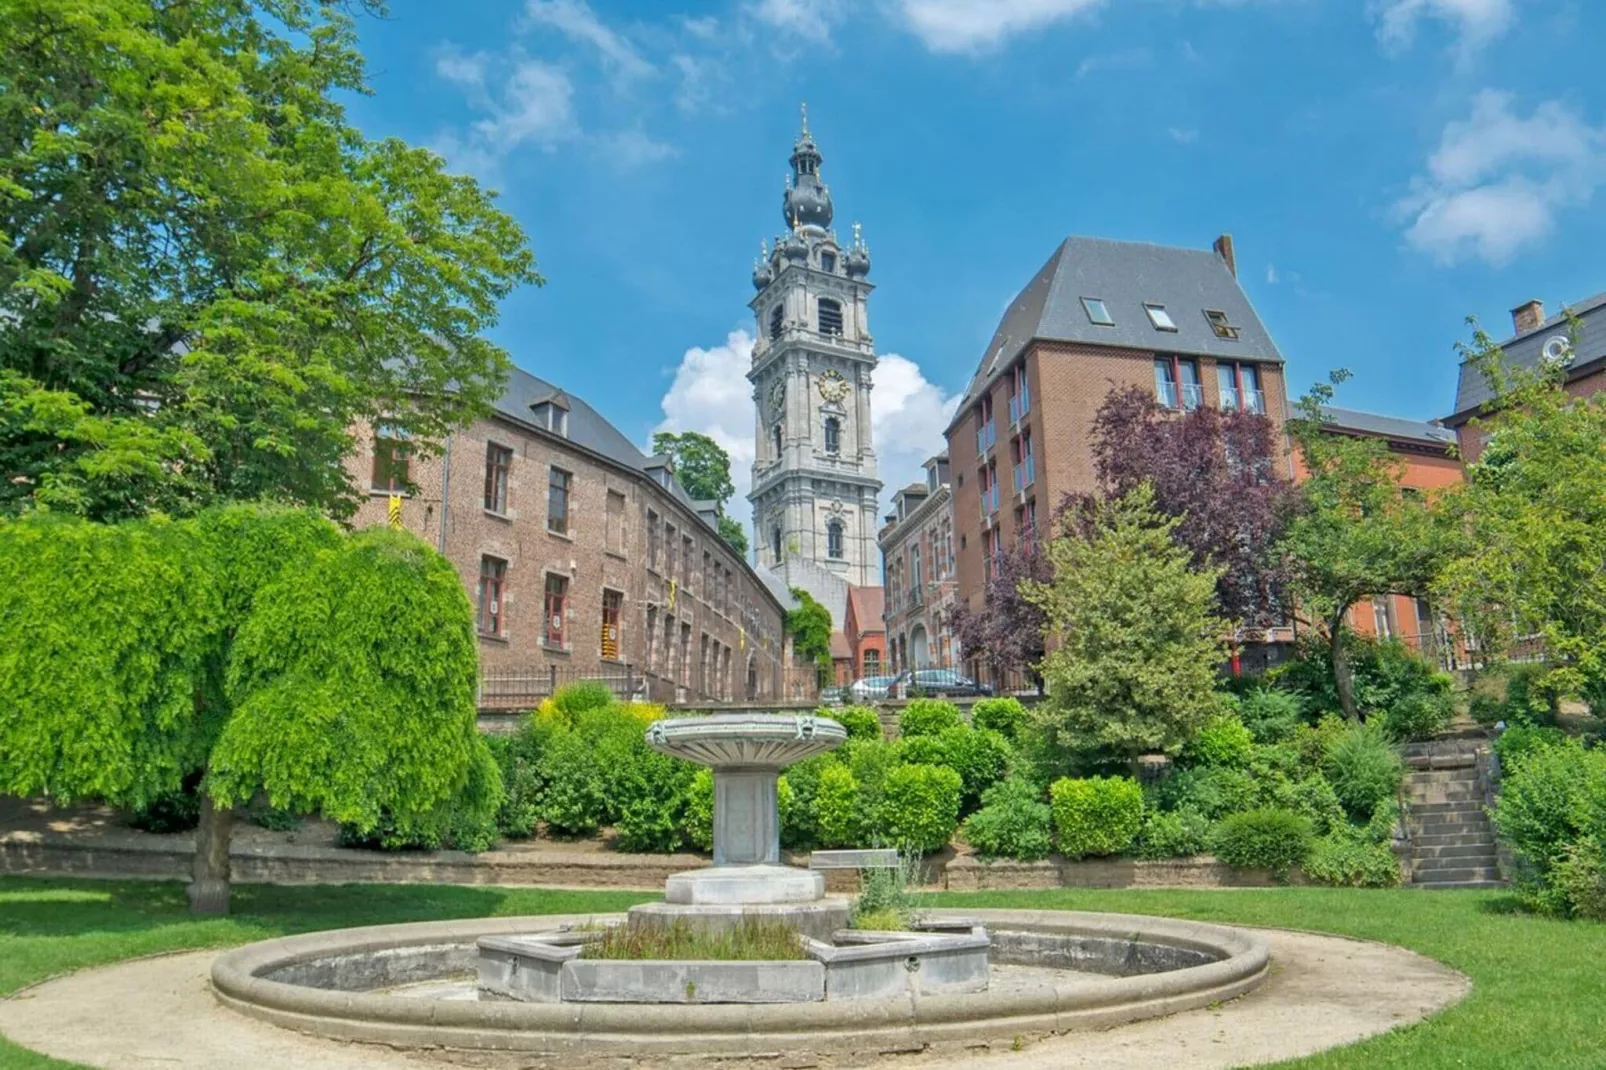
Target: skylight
1096 312
1159 317
1220 324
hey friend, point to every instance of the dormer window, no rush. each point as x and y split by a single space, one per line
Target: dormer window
1159 317
830 317
777 315
1097 313
552 416
828 263
1220 324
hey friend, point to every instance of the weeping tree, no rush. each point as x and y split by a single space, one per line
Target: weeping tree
253 650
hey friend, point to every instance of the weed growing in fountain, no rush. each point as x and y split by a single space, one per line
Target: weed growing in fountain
753 940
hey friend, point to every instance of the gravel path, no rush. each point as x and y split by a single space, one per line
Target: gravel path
1323 991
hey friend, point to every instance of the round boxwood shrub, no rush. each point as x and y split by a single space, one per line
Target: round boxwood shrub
1172 834
871 761
1363 769
918 810
838 807
1265 838
1222 741
1419 715
928 717
980 756
1095 815
1013 822
1005 716
861 721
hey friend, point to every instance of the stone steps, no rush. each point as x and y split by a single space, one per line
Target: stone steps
1427 841
1484 849
1452 841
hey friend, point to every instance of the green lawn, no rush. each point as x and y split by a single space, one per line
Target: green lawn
1539 997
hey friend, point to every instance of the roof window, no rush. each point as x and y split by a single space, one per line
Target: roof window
1097 313
1219 324
1159 317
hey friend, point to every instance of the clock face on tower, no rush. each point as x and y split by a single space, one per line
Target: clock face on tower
778 398
832 386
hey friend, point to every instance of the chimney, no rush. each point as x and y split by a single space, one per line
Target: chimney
1223 248
1526 317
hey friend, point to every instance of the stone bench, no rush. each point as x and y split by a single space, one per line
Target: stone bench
878 858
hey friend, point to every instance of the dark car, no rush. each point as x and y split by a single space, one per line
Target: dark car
950 682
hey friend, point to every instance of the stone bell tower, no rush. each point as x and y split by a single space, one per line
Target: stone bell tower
814 477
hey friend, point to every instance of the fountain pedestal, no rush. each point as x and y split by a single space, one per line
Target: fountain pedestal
747 752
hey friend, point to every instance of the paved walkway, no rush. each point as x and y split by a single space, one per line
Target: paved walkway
1323 991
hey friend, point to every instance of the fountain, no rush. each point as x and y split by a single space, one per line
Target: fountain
525 985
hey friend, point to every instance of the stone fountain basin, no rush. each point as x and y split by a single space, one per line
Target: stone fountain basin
856 964
746 740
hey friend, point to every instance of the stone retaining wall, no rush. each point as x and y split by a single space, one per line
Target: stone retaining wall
128 854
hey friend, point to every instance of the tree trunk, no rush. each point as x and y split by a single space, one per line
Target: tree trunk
209 886
1342 676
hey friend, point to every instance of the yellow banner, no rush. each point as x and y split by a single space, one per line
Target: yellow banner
671 594
393 510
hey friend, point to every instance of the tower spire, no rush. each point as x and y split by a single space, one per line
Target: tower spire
804 108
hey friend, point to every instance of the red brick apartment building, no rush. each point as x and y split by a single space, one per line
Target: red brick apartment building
1100 315
584 558
917 552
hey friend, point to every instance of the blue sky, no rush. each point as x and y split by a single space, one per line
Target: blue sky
1386 167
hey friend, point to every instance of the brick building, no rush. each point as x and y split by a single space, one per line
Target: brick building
864 635
1100 315
1536 339
917 553
583 557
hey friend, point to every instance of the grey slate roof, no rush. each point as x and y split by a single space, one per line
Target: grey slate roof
1371 423
1525 350
1125 275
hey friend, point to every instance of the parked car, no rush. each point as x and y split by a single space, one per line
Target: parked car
870 688
949 682
834 696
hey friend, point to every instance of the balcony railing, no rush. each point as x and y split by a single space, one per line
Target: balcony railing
1019 405
1255 401
1025 473
986 435
1167 394
1192 396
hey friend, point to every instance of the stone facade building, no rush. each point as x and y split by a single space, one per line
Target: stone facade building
815 486
917 550
1099 316
583 558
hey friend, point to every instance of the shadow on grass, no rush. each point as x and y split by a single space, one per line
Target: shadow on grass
1506 904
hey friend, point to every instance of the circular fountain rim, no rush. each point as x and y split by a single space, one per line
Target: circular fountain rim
664 1029
735 740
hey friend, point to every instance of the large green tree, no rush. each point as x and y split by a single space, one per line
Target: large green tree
704 469
208 276
1136 643
809 625
252 649
1534 510
1356 532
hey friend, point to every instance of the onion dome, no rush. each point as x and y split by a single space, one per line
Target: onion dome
762 275
857 262
807 201
795 247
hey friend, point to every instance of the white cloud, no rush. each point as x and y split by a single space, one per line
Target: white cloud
1498 179
576 20
1124 60
976 25
1183 135
1272 278
710 393
467 70
536 105
635 147
812 20
907 416
1475 22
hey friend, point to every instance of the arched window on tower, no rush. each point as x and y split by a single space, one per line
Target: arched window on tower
777 314
775 442
775 543
830 316
833 435
833 539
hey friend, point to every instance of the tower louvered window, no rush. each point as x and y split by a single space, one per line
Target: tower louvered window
777 314
830 316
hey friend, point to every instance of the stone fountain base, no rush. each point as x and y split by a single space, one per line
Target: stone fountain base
817 919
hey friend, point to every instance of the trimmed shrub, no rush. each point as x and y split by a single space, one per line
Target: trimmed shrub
699 826
1005 716
1013 822
918 810
800 830
1172 834
1265 838
1317 799
1363 769
980 756
1419 715
839 808
1271 715
1096 815
871 761
1222 741
573 802
928 717
861 721
571 700
1551 800
1353 861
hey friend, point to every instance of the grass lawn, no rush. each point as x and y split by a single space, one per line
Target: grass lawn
1539 997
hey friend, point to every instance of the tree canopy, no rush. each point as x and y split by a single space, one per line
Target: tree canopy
1356 531
1006 633
704 469
1137 642
208 275
1219 474
1534 512
260 647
